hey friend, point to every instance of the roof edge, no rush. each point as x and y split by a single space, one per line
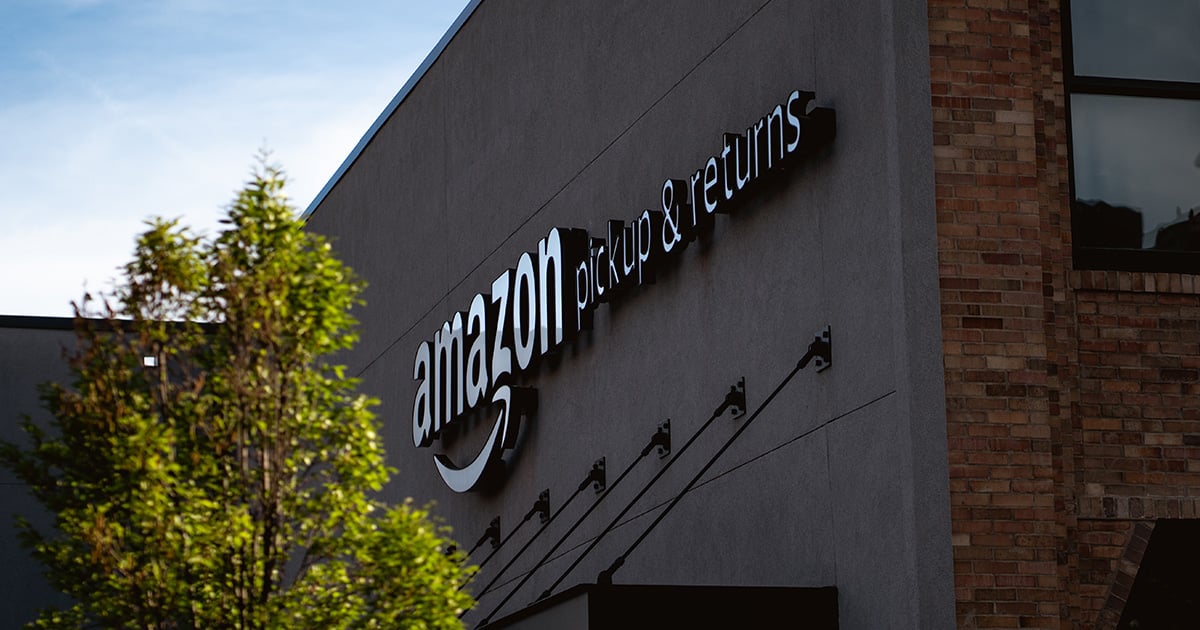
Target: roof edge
37 322
416 77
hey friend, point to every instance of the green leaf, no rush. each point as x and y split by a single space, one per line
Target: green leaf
230 485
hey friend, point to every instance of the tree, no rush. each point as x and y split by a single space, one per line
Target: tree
209 467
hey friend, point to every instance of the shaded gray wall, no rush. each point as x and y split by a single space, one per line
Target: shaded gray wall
567 114
30 354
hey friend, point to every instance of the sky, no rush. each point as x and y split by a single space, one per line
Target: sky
115 111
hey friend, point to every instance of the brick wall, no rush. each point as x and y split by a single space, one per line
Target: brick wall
1073 409
991 177
1138 418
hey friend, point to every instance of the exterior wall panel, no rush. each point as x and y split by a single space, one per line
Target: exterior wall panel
30 353
544 115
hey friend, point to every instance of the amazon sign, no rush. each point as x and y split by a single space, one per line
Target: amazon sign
474 359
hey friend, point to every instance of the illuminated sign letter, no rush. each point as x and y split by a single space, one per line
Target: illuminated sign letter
422 406
477 335
525 312
448 368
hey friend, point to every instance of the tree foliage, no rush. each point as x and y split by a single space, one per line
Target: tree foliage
208 467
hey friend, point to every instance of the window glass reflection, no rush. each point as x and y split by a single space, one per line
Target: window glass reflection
1137 172
1146 39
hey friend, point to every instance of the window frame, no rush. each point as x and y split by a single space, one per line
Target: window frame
1107 258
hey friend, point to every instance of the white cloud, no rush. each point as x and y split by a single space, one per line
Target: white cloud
79 175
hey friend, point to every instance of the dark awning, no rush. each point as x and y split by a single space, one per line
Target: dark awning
623 606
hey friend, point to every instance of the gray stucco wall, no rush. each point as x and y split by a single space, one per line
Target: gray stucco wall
30 354
547 114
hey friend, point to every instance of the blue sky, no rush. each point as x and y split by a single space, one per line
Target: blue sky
113 111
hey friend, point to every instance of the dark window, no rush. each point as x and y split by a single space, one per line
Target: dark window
1134 83
1166 593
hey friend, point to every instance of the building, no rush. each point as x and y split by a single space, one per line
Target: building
31 353
914 284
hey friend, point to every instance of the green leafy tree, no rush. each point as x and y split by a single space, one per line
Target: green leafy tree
208 467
